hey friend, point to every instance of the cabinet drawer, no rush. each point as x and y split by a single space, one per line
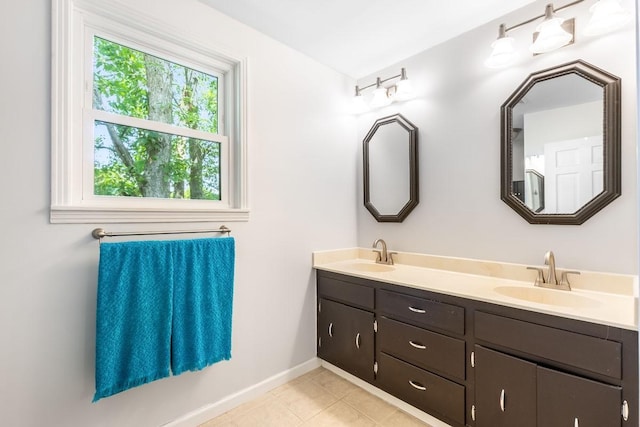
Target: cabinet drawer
422 389
568 348
425 349
563 399
421 311
348 293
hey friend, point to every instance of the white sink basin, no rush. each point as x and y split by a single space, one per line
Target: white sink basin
547 296
369 267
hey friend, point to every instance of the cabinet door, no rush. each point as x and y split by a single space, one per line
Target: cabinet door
345 338
567 400
505 390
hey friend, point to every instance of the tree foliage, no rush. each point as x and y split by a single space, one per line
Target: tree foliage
138 162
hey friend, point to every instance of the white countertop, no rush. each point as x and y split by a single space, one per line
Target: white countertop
604 298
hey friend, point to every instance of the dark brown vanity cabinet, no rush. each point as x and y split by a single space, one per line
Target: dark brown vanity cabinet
345 323
418 361
476 364
505 390
345 337
547 384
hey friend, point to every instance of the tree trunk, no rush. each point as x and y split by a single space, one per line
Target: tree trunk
158 146
195 148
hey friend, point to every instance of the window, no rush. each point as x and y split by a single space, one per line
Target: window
148 126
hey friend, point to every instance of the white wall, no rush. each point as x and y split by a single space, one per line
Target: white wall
303 197
457 112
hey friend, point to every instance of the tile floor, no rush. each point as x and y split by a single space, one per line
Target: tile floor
319 398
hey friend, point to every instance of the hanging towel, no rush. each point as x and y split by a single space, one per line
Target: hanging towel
203 272
162 306
133 322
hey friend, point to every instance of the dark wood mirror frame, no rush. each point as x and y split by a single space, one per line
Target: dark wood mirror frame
412 135
611 134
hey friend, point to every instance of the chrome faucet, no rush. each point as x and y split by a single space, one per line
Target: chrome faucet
551 281
383 257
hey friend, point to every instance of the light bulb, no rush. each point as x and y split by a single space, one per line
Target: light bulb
607 15
551 35
359 105
404 90
380 98
504 50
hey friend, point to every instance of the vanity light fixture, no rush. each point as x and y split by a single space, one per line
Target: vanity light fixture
555 32
607 15
551 35
383 95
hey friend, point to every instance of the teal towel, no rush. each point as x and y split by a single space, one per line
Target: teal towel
133 321
162 305
202 304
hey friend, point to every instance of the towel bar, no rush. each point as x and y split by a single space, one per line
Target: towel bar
99 233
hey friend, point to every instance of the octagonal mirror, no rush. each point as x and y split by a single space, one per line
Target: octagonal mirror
560 149
391 168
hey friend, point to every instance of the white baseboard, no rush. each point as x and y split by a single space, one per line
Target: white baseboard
207 412
411 410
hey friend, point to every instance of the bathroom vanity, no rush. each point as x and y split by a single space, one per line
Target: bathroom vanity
463 349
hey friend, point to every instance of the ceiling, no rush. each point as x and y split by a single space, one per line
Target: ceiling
360 37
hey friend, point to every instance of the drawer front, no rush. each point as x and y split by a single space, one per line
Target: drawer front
348 293
425 349
563 399
569 348
425 391
421 311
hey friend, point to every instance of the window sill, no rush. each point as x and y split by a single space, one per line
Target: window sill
96 215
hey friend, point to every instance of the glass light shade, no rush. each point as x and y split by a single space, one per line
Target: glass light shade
380 98
359 105
404 90
607 15
551 36
503 54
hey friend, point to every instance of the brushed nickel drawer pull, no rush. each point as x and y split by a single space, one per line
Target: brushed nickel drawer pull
502 400
417 386
358 340
418 346
417 310
331 329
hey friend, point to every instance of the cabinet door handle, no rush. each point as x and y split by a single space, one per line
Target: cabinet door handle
576 423
358 340
625 410
418 346
331 329
417 310
417 386
502 400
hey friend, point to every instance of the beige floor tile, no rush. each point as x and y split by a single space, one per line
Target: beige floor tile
302 378
375 408
402 419
271 414
306 399
340 415
220 421
335 385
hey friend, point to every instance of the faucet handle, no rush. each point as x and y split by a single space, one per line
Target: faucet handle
378 255
564 280
540 277
390 255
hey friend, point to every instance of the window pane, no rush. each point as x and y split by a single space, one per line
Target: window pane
136 162
132 83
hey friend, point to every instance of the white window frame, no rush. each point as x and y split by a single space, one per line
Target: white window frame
75 23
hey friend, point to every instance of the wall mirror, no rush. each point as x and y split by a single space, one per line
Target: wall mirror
560 148
391 168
